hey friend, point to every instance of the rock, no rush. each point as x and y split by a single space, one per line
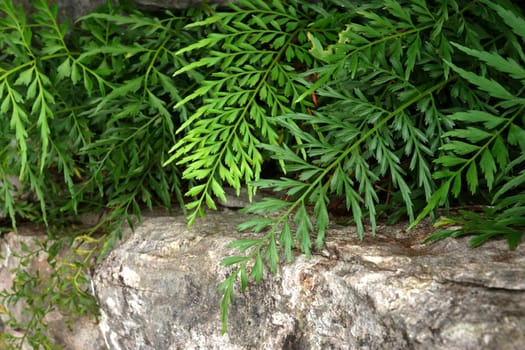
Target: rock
71 9
158 290
74 9
83 334
176 4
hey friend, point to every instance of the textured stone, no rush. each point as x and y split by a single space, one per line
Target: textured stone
158 290
175 4
74 9
84 333
71 9
10 246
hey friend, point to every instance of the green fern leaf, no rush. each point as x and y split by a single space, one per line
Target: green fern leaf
257 269
509 66
489 120
472 177
510 18
492 87
488 167
286 240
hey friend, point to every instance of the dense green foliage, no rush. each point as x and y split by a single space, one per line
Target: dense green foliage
87 121
379 109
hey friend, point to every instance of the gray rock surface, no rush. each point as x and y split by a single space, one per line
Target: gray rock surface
158 290
175 4
74 9
83 334
71 9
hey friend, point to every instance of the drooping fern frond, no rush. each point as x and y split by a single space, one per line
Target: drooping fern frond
346 145
94 105
489 139
27 105
385 89
505 217
254 56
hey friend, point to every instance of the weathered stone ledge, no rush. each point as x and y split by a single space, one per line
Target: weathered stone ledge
158 290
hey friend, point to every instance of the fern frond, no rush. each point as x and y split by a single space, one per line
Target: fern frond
222 136
498 126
